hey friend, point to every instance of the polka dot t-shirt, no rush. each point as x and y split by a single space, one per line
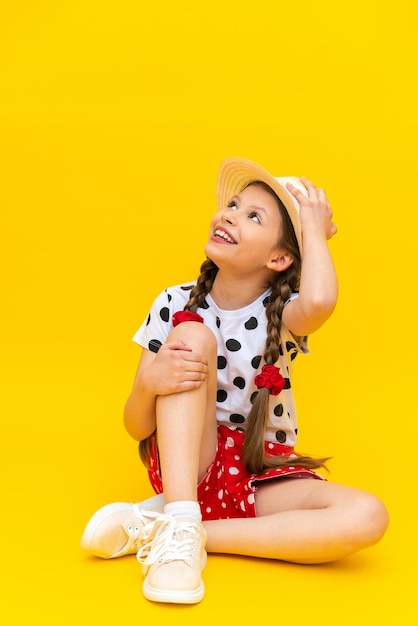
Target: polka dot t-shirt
241 336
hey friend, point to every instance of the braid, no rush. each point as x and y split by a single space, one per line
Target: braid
253 450
208 271
253 453
281 292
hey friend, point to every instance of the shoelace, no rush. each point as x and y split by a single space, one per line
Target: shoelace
168 540
135 535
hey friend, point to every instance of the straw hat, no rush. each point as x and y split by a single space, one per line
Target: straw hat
236 173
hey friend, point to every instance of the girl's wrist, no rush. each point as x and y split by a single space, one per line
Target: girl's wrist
314 230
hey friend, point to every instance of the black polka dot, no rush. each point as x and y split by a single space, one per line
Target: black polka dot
266 301
239 382
281 436
287 384
296 431
255 362
281 350
222 362
293 355
221 395
154 345
290 346
251 323
170 297
218 322
236 418
165 314
278 410
186 287
233 345
253 396
204 305
148 320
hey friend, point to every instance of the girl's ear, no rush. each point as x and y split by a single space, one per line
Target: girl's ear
281 262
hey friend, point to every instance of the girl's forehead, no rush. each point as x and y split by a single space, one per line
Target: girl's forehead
258 192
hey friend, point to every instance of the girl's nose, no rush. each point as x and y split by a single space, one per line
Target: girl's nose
228 216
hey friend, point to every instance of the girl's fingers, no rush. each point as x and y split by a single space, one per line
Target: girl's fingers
314 193
294 191
310 187
316 198
322 196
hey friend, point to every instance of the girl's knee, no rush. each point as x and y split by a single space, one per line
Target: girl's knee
378 518
371 519
197 336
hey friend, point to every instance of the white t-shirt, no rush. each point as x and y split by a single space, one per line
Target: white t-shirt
241 336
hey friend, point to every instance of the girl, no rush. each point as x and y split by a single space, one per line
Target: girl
212 403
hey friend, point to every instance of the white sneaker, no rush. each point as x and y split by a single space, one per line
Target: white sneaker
115 529
173 558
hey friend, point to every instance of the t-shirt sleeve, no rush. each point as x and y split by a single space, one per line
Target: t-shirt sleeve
298 344
156 327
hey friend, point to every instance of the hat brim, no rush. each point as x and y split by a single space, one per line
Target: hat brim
236 173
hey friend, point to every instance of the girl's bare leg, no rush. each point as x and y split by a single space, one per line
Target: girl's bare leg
302 521
186 422
187 435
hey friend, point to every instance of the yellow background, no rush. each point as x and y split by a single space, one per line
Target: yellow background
114 118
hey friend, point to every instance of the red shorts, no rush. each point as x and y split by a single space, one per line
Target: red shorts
227 489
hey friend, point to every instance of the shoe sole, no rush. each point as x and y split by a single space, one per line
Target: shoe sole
110 509
175 596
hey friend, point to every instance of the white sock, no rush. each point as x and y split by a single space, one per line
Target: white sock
155 503
184 508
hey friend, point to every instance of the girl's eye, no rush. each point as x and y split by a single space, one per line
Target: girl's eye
255 217
233 206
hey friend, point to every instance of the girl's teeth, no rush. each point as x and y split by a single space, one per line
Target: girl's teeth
220 233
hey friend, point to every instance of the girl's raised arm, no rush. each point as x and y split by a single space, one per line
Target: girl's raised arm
318 283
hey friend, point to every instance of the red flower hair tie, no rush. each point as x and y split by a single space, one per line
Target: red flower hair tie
186 316
270 378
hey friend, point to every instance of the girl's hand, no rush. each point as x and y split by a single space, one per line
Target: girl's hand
175 368
315 210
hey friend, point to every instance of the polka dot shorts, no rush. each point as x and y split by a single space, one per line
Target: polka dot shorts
228 490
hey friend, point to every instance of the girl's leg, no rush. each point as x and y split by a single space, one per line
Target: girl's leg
302 521
186 422
175 554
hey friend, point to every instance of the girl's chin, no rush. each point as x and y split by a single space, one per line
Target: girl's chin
214 248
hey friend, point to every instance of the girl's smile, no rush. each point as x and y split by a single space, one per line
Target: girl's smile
221 235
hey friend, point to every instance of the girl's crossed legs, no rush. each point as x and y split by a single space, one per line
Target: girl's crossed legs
298 520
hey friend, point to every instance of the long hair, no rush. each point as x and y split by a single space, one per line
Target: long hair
283 285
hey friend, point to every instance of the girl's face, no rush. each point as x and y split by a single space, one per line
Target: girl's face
245 235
